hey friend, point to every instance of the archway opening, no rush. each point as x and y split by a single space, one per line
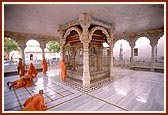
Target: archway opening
122 53
160 49
52 54
143 55
33 52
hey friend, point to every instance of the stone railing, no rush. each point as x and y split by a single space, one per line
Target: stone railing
142 62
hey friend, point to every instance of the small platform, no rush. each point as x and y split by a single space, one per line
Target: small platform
94 75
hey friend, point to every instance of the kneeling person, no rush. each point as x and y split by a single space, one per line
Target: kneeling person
35 103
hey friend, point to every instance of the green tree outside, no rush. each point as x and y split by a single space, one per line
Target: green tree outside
53 46
10 45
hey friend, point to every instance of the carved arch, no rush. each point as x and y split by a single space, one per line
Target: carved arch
98 28
116 40
71 29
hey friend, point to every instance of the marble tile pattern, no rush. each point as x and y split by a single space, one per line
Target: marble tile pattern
128 90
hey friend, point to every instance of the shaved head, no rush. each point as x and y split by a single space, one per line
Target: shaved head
40 91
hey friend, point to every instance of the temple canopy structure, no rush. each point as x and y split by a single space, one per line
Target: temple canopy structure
82 30
82 47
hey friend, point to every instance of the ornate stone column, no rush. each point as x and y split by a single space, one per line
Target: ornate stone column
131 40
22 45
85 39
132 53
42 46
153 58
62 42
111 44
154 37
86 69
111 60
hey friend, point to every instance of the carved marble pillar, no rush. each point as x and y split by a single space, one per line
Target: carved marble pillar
85 39
131 40
111 45
153 58
153 42
22 52
22 45
86 70
62 43
111 60
132 54
42 46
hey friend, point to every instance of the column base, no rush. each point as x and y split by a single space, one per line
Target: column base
111 75
86 79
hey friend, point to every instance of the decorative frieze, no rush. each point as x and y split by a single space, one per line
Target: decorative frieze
19 35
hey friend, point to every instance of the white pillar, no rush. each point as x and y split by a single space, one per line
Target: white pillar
62 43
42 46
153 42
111 60
111 44
132 55
86 71
85 20
153 57
22 47
23 55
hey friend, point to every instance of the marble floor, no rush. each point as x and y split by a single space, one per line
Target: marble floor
129 90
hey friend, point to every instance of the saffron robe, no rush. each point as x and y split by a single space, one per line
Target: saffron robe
25 80
35 103
63 70
28 80
32 71
44 66
21 68
19 83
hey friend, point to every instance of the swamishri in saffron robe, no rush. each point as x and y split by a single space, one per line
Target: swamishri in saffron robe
44 66
32 71
21 67
24 81
35 103
63 69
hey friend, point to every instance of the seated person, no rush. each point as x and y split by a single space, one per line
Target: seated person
25 80
28 80
32 71
35 103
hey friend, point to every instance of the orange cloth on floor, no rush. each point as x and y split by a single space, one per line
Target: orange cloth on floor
63 70
19 83
32 71
44 66
35 103
28 80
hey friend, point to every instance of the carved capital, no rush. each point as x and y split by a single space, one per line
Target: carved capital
85 38
22 43
42 44
84 19
153 42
